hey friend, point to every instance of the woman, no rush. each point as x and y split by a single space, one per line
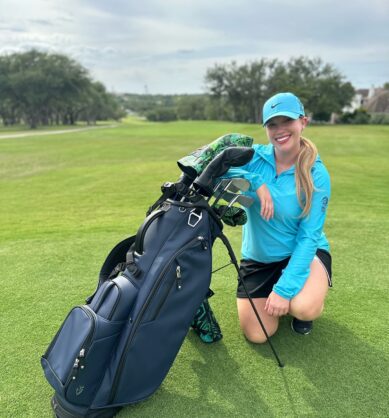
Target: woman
286 262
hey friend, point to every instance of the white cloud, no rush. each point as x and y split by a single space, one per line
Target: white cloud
169 45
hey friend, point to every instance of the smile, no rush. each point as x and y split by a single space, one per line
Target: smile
282 139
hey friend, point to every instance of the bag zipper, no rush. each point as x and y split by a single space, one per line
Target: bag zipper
84 347
139 318
178 282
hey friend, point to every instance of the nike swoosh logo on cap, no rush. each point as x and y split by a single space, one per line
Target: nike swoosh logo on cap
274 105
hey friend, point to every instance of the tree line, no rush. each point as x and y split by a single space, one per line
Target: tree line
237 92
38 88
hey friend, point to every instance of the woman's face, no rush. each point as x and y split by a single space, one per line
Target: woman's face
284 133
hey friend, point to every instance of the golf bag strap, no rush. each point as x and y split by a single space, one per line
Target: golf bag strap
241 280
130 264
168 191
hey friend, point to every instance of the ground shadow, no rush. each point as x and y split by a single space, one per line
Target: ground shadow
347 375
330 373
220 389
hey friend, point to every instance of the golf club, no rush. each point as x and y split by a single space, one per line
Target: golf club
243 200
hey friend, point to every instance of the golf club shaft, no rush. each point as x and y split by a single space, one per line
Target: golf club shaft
229 205
235 263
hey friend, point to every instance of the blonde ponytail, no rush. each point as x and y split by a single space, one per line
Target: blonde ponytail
303 176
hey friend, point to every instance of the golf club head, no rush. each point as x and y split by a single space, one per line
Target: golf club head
230 157
234 185
232 198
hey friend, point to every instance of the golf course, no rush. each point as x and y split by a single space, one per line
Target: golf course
68 198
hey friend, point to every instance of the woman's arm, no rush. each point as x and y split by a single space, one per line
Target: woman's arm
309 232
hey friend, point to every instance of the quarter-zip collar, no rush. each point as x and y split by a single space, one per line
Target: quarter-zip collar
267 153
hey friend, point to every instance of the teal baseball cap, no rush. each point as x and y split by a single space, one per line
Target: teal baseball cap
282 104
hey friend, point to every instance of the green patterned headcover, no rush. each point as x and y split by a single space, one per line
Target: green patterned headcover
233 216
194 163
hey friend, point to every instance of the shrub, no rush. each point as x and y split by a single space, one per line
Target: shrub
379 119
358 117
162 114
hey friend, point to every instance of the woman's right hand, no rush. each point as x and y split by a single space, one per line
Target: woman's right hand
267 207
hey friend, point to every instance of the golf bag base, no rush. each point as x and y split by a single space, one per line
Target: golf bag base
61 411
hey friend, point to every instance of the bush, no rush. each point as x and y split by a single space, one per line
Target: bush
358 117
379 119
162 114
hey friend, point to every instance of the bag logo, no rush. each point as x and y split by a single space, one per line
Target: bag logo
79 390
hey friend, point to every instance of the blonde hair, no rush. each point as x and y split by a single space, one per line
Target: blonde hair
303 175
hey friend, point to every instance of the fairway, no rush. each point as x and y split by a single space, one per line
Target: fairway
67 199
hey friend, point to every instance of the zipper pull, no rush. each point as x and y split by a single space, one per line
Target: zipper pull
178 276
203 242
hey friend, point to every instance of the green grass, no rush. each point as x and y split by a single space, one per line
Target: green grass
67 199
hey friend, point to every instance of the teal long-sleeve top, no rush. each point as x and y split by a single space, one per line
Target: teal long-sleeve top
287 234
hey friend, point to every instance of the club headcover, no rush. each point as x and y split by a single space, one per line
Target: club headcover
230 157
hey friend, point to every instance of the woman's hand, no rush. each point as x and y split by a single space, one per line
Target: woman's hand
264 196
276 305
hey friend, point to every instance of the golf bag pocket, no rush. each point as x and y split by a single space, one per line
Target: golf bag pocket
77 357
114 299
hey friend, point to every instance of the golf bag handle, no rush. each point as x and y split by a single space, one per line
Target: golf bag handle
140 235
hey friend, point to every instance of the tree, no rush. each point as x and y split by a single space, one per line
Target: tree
245 88
241 86
41 88
191 107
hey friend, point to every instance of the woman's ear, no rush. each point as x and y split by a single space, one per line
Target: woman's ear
304 121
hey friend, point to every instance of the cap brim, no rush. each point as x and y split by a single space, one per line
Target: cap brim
291 115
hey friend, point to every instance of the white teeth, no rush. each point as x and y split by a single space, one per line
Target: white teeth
283 138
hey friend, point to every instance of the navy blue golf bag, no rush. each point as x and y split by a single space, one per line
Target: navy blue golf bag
118 347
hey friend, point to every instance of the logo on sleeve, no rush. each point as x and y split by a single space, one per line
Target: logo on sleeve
324 203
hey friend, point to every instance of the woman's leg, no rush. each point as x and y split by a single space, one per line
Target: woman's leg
249 322
308 304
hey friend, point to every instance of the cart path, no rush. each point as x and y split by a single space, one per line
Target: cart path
59 132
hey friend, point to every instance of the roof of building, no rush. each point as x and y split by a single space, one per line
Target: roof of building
379 103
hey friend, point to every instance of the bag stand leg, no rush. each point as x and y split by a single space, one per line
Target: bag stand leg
235 263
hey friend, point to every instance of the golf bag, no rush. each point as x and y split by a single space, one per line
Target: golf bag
118 347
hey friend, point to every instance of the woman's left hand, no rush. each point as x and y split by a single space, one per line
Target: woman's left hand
276 305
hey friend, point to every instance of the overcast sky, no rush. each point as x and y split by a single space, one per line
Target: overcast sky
165 46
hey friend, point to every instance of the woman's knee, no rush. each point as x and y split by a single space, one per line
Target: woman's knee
249 322
305 310
256 334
